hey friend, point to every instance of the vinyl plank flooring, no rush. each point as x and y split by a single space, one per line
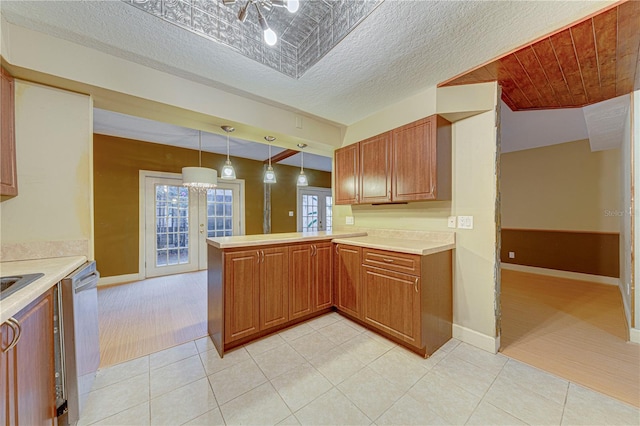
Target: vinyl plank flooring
574 329
147 316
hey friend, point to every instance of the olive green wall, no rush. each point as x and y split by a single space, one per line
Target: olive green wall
117 163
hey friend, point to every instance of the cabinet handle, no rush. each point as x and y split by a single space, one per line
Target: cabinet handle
388 260
258 254
262 254
313 250
17 331
337 248
415 284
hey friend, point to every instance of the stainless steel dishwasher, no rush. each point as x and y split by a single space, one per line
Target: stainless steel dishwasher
80 351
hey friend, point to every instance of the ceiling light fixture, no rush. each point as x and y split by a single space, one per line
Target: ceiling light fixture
270 37
302 178
269 174
199 178
228 172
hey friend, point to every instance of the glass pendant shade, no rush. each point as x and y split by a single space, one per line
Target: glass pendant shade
269 175
199 178
302 179
228 172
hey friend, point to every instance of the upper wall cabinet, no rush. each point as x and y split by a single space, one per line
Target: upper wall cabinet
8 173
410 163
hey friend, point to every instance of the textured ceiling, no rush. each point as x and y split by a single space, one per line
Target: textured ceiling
303 37
592 61
401 48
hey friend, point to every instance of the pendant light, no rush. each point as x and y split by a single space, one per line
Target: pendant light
302 178
199 178
228 172
269 174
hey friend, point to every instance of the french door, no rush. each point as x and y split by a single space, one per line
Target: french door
177 222
314 209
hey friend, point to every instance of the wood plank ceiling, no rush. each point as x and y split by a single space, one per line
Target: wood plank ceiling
591 61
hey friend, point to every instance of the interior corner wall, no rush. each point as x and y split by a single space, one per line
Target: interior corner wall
53 152
635 141
624 217
117 162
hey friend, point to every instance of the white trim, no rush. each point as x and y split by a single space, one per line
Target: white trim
562 274
477 339
634 335
119 279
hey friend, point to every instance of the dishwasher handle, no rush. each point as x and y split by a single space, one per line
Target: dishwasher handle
88 283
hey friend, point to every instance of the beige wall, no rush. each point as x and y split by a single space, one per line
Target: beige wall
53 149
562 187
635 291
624 219
474 193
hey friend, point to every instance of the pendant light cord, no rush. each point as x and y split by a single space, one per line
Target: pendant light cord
301 161
227 146
199 148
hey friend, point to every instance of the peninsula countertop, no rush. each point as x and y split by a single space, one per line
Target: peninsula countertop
54 270
420 247
281 238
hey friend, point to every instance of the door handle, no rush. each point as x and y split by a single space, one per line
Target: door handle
17 331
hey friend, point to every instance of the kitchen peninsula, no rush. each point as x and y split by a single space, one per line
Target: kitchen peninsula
397 283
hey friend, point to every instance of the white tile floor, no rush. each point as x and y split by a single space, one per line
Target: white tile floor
331 371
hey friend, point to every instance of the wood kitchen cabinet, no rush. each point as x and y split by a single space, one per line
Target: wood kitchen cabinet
310 279
409 163
422 160
274 287
27 382
375 169
347 279
255 292
8 170
347 175
408 297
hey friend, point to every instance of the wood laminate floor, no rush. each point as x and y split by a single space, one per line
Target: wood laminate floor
144 317
574 329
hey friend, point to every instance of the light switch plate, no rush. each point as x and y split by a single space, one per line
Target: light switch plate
512 255
291 213
349 220
451 222
465 222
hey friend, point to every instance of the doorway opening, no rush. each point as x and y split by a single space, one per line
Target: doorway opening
314 209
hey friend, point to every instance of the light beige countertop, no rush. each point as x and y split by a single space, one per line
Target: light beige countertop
282 238
54 270
420 247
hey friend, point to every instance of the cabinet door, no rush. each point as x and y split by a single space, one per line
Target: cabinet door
300 281
8 174
241 294
375 169
347 279
274 294
323 275
414 161
33 364
391 303
347 175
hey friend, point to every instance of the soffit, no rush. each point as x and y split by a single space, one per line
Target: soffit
400 49
589 62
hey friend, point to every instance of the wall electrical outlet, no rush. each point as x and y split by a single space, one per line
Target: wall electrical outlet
451 222
465 222
349 220
512 255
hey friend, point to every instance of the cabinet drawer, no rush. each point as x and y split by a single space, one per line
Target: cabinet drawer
393 261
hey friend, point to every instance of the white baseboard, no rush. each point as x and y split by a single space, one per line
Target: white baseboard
474 338
562 274
118 279
634 335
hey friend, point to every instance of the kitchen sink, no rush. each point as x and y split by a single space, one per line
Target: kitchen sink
11 284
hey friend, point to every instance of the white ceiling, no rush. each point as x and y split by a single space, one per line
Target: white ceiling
403 47
126 126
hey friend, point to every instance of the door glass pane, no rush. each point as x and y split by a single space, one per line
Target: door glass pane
328 200
219 212
172 225
309 213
